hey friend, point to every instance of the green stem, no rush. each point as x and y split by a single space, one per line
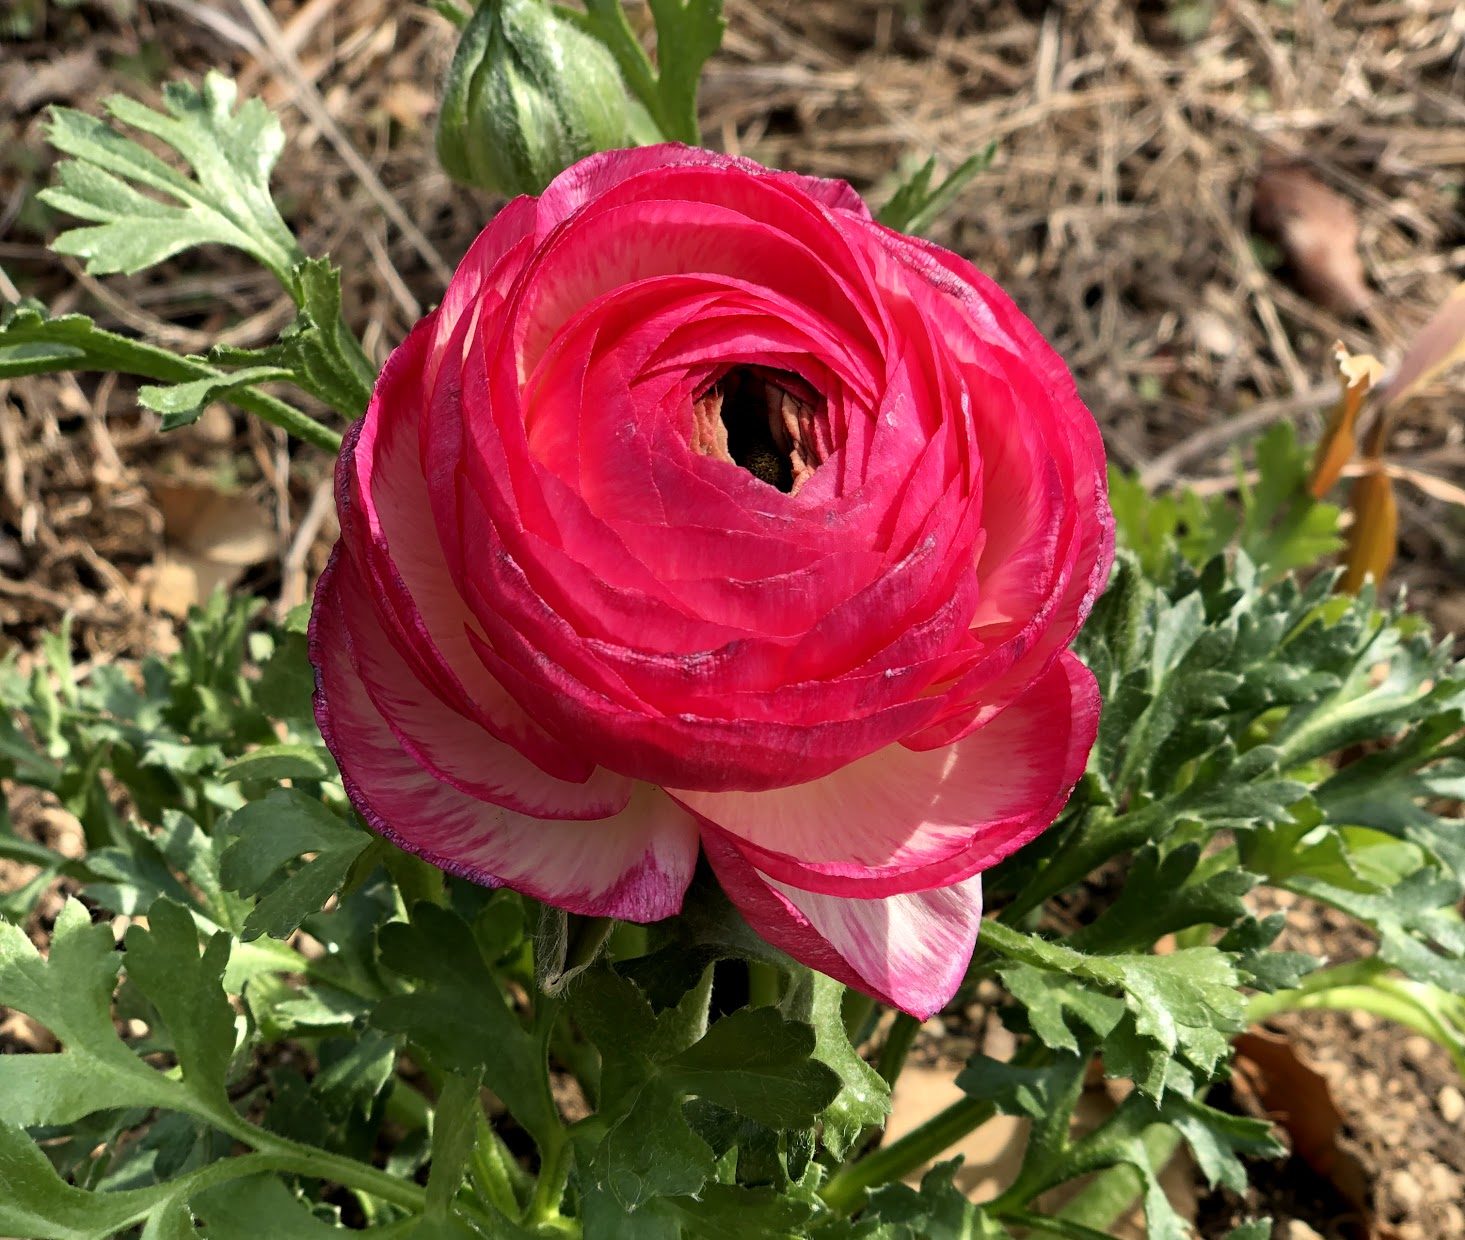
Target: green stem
847 1189
494 1170
858 1011
765 984
549 1189
1045 1225
1113 1192
897 1047
1105 835
220 1172
1363 985
288 418
322 1164
1262 1007
607 21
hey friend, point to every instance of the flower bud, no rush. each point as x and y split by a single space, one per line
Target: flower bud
528 94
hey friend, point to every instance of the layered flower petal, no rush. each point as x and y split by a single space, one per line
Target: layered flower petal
634 865
906 820
909 950
705 507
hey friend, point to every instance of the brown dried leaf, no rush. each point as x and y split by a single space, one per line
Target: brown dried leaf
1373 536
1358 373
1318 232
1297 1096
1439 344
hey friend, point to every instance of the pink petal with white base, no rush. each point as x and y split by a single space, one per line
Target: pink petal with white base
635 865
904 820
910 951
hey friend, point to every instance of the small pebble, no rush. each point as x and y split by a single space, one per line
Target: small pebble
1452 1104
1362 1021
1418 1049
1296 1229
1405 1188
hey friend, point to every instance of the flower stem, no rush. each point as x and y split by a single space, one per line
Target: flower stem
897 1047
321 1164
847 1190
288 418
1046 1225
494 1170
549 1189
765 984
858 1010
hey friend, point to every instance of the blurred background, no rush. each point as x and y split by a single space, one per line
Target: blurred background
1193 199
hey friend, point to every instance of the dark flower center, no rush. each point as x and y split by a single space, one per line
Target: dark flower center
763 420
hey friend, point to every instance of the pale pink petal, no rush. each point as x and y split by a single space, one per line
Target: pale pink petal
910 951
902 820
448 744
388 529
635 865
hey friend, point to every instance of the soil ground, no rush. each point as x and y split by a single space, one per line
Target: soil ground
1129 139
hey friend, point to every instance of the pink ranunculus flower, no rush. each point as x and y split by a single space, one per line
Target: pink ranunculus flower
705 512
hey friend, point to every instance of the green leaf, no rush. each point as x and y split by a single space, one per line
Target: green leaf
62 1088
734 1212
256 1206
938 1210
1418 922
652 1151
454 1129
170 1220
326 355
1181 1005
1275 521
863 1100
226 201
759 1064
1283 528
688 33
1058 1010
31 344
1162 894
37 1202
916 204
181 403
606 1219
1046 1095
1397 789
70 993
649 1150
1015 1089
1216 1138
187 990
317 352
287 682
1265 970
272 763
270 833
459 1017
